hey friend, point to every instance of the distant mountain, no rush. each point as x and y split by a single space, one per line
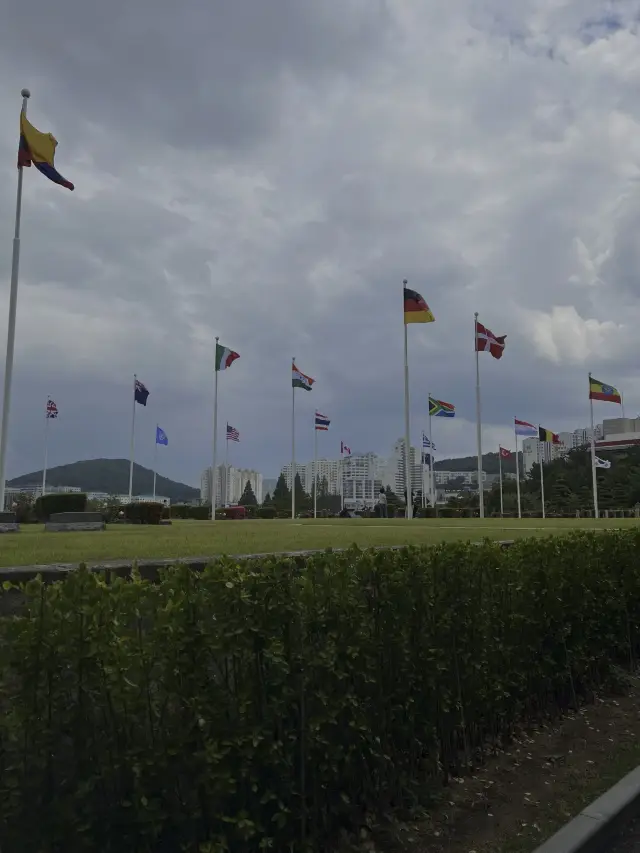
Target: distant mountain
490 464
111 476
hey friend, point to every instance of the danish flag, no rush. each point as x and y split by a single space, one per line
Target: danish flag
486 341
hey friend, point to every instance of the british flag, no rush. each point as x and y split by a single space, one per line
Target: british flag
232 433
52 409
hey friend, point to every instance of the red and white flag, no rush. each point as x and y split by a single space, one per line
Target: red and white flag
504 453
486 341
344 449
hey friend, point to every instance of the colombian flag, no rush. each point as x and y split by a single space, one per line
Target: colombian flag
600 391
39 148
416 309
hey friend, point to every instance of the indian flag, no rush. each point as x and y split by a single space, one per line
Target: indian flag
224 357
299 380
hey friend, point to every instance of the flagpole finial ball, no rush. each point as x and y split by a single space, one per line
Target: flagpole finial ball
404 281
25 93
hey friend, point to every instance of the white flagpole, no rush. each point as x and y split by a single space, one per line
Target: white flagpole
478 416
133 434
227 499
293 446
596 510
11 329
622 403
517 471
407 420
155 462
432 485
46 446
341 477
501 498
214 461
541 463
315 469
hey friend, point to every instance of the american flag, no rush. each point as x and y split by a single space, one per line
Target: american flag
232 433
52 409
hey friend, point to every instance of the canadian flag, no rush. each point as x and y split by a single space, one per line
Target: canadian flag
506 454
486 341
344 448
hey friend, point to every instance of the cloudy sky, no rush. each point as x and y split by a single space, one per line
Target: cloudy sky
270 171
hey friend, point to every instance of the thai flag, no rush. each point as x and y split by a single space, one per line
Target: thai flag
322 422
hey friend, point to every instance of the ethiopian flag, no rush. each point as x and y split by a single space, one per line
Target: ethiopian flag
299 380
416 309
224 357
600 391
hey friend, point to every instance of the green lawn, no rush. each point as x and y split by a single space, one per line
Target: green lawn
200 538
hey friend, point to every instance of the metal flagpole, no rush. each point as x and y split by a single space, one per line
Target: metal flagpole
596 511
226 468
46 445
341 477
517 471
541 464
11 329
315 469
214 472
155 462
293 446
501 498
431 482
622 403
407 422
133 434
478 416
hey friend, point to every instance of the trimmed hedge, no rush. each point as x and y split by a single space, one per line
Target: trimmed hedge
144 512
47 505
200 513
269 705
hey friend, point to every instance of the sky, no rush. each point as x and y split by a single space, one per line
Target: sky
270 173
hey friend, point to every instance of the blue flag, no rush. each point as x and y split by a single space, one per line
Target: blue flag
161 436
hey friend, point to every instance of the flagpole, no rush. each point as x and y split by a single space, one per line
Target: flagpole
622 403
155 462
46 445
541 463
11 329
501 498
214 473
596 511
478 417
315 470
517 471
422 466
132 445
293 446
407 422
226 468
341 477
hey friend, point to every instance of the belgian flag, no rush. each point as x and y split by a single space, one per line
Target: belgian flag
548 437
416 309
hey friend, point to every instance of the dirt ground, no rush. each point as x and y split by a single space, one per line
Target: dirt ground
526 793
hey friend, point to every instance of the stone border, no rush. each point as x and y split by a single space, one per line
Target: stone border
593 830
150 568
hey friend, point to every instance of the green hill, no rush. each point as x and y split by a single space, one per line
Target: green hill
490 464
111 476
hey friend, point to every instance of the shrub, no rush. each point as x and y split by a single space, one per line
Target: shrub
199 513
254 706
266 512
143 512
47 505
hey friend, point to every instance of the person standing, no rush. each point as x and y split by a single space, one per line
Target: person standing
382 503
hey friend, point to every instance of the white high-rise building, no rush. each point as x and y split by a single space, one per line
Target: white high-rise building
230 484
394 475
299 469
328 469
362 478
533 451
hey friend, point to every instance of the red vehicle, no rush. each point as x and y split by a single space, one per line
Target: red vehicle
234 512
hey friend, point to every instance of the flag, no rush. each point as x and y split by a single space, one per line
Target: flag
40 149
440 409
344 449
299 380
52 409
504 453
426 441
416 309
602 463
224 357
600 391
322 422
232 433
525 429
486 341
140 393
426 458
548 437
161 437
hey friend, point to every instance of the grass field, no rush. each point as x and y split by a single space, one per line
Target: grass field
200 538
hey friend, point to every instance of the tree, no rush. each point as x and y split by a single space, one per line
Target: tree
267 500
303 501
248 498
281 494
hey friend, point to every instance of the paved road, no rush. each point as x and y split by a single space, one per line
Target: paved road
629 842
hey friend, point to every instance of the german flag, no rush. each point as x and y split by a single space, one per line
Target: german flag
547 436
416 309
601 391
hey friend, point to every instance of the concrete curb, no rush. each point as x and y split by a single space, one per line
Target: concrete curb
592 831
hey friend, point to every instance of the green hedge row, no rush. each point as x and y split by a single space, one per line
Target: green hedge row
268 706
46 505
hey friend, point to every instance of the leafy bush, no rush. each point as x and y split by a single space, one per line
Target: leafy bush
143 512
200 513
255 705
47 505
266 512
